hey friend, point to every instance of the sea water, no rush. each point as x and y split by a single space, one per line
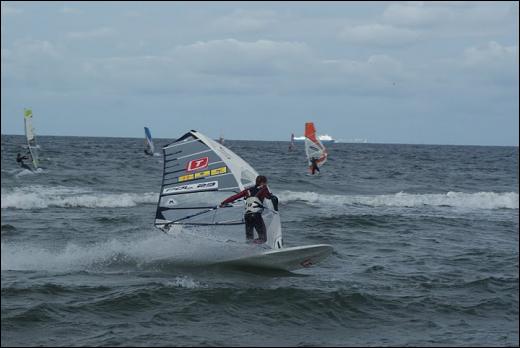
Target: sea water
425 250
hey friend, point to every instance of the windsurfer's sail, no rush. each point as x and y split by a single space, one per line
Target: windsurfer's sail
291 145
199 173
148 147
313 146
31 137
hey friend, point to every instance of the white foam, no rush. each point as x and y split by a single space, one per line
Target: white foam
11 171
154 251
183 282
39 197
24 172
479 200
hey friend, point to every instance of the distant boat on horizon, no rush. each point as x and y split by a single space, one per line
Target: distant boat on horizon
324 138
361 141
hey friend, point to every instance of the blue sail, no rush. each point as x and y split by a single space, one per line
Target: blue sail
149 148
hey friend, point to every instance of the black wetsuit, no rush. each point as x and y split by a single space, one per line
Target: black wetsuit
20 159
254 220
314 166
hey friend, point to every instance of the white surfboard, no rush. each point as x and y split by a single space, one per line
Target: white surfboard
287 259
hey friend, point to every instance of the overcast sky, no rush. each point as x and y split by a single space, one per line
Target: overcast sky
389 72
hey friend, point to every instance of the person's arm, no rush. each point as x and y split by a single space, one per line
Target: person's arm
263 193
235 197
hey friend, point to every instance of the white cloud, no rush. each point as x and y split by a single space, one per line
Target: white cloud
452 18
91 34
215 66
488 12
132 14
70 10
234 57
245 20
378 34
416 14
255 67
9 10
30 50
491 54
33 63
376 74
483 66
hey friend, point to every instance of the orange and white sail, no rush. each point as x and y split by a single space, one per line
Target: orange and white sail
313 146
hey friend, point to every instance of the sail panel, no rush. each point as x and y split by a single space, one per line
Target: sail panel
198 174
313 146
150 148
31 137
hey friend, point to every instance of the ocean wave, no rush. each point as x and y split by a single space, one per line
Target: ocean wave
39 197
479 200
8 230
156 252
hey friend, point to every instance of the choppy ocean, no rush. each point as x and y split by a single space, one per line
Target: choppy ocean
425 250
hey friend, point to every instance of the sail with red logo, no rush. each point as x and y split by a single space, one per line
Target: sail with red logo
199 173
313 146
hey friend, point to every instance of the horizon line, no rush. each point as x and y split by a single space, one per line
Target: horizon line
288 141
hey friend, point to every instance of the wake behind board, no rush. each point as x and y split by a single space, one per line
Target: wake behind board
286 259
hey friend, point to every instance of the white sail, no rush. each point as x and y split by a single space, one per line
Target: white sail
198 175
313 146
31 137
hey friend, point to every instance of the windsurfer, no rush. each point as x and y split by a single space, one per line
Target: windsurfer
148 143
314 165
20 159
254 207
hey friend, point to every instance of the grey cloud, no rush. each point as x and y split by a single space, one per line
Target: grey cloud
491 53
456 18
379 34
8 10
215 66
70 10
416 14
245 20
234 57
92 34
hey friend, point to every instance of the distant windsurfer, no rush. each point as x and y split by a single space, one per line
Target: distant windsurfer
20 159
254 207
147 149
148 143
314 165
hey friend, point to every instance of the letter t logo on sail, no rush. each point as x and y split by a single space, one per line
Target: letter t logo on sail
197 164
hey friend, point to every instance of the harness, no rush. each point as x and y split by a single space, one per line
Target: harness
253 203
